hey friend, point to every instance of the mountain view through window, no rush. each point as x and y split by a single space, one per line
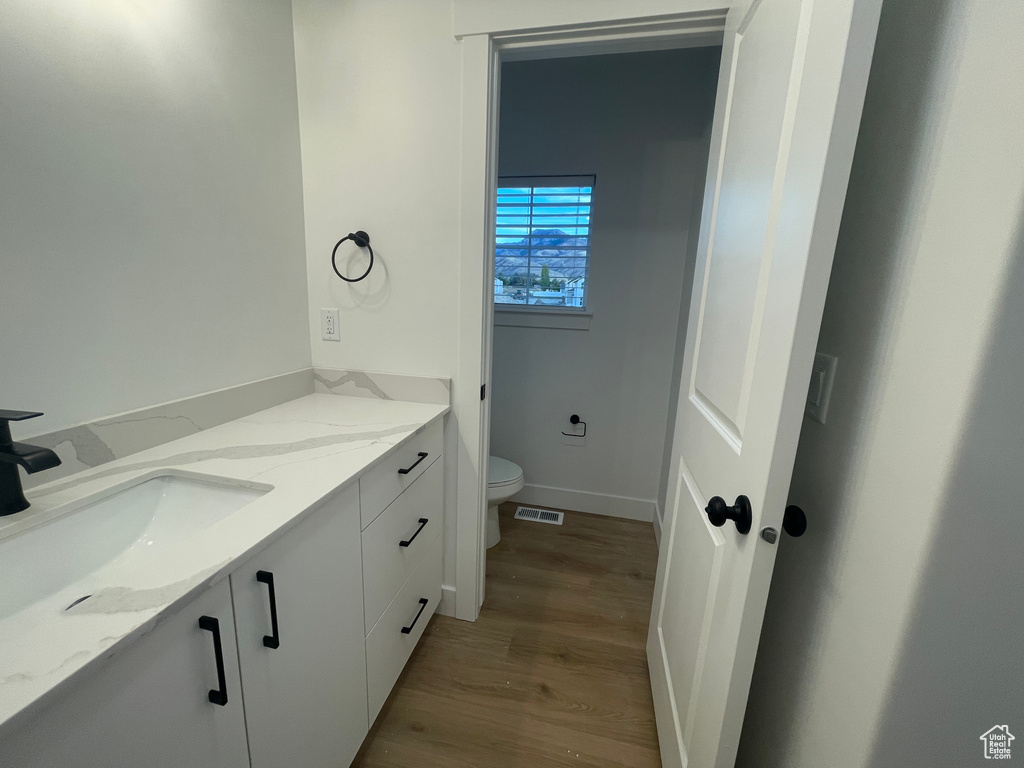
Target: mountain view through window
542 244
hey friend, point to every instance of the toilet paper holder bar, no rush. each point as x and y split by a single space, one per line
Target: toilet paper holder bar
574 420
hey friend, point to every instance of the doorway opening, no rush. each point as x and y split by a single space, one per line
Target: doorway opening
600 180
483 58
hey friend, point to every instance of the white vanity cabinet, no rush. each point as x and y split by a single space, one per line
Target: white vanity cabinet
402 557
299 619
287 661
149 705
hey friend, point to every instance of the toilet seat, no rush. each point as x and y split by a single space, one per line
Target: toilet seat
502 472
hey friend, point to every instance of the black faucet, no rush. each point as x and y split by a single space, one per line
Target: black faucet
31 457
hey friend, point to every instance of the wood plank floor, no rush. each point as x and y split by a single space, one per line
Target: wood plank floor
553 673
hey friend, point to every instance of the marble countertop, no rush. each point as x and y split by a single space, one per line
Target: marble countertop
304 449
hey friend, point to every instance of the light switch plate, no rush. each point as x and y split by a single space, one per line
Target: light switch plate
823 375
329 330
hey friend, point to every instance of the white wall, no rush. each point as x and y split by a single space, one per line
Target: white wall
379 94
379 88
637 121
151 242
892 635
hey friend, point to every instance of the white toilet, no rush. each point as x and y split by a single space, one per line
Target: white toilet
504 480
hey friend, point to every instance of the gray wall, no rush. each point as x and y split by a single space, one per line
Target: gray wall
892 634
639 122
151 234
961 669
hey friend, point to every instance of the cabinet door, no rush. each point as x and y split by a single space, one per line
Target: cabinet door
305 699
149 706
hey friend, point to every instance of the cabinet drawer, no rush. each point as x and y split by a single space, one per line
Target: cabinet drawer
386 563
387 647
382 484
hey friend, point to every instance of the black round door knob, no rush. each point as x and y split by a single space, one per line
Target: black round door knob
718 512
794 521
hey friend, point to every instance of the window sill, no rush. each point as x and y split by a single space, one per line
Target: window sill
543 318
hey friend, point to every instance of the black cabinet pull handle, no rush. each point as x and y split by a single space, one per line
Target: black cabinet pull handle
422 455
274 640
423 522
407 630
210 624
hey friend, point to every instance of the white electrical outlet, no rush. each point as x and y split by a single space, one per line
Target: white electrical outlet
329 330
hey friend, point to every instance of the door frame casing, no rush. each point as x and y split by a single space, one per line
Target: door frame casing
486 41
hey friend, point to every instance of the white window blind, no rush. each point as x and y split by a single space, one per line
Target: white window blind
542 242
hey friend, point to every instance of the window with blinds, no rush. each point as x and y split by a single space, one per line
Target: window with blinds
542 243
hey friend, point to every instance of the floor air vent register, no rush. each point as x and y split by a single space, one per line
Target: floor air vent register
539 515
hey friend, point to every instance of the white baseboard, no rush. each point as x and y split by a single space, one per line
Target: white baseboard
447 605
657 524
583 501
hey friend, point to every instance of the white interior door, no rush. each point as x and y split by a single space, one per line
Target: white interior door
791 88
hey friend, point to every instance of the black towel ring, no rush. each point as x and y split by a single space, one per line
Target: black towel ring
361 239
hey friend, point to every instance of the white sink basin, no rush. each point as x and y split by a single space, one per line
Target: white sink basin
123 530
